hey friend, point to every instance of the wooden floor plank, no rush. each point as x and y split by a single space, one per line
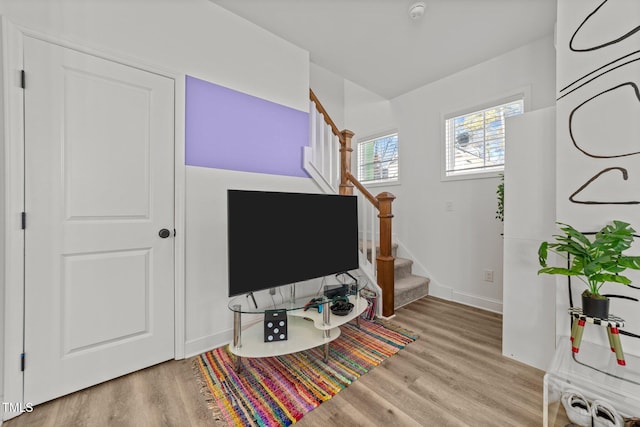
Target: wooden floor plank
453 375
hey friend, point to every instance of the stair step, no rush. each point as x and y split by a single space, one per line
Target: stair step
408 286
409 289
394 248
402 268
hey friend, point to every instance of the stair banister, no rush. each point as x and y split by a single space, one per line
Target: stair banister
382 203
345 163
325 115
385 261
373 199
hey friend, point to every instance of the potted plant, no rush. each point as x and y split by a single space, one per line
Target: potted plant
595 261
500 196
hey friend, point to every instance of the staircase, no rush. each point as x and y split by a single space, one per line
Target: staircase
409 287
327 160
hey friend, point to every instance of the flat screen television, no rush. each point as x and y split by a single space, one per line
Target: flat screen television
278 238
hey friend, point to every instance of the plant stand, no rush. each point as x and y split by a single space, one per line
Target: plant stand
613 323
595 375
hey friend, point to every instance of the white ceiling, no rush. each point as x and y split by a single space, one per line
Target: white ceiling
375 44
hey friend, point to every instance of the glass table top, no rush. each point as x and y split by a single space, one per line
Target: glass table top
291 297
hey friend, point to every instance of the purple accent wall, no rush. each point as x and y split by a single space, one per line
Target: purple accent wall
226 129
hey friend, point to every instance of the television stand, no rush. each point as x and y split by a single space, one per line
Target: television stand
306 329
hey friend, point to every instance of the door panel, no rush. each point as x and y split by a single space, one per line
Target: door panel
99 140
104 277
99 287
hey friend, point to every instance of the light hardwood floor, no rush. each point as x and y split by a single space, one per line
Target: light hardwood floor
453 375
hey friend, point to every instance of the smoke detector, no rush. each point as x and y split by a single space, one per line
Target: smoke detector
416 10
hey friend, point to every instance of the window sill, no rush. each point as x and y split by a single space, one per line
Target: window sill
381 184
474 175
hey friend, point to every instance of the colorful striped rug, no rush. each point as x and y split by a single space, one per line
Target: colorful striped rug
278 391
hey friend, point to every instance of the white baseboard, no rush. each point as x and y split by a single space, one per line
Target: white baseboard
439 290
386 317
207 343
451 294
488 304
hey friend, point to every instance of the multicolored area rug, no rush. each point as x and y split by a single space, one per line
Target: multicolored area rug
278 391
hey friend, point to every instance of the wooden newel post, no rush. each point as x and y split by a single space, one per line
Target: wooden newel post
385 260
346 188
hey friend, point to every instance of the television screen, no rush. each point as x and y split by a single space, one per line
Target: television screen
277 238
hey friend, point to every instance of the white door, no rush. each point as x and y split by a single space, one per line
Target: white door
99 280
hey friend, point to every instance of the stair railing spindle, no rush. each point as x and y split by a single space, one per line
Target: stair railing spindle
328 150
313 125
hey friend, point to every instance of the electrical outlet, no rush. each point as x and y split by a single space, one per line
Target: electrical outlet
488 275
272 291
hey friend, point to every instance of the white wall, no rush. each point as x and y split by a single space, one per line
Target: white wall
367 113
329 88
456 246
529 320
198 38
195 37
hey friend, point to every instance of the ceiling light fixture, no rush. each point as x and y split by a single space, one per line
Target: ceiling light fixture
416 10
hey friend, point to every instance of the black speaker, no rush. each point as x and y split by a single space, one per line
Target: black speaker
336 291
275 325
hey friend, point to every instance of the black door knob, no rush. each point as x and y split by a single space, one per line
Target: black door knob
164 233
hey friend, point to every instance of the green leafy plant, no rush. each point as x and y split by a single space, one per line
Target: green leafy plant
500 194
595 261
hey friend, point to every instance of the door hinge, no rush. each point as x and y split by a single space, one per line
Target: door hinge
22 362
174 232
22 79
24 220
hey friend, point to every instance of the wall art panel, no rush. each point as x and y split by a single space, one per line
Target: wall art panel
598 131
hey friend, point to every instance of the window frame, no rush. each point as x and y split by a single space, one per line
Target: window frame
382 182
515 95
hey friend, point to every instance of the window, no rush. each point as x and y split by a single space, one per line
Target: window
378 159
475 141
